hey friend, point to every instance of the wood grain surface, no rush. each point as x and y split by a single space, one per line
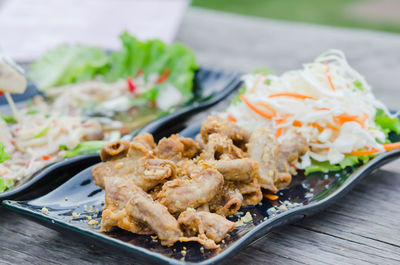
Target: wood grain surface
361 228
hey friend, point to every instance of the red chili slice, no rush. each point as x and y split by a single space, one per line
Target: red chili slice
163 76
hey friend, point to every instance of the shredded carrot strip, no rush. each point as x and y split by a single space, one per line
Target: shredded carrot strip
297 124
328 76
231 118
256 83
268 107
283 119
321 108
392 146
255 109
278 133
343 118
327 126
387 147
271 197
292 95
364 152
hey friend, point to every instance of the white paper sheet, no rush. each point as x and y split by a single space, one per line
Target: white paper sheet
29 28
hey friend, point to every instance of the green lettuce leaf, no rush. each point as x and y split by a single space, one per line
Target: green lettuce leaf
5 185
88 147
386 123
68 64
325 166
3 154
154 56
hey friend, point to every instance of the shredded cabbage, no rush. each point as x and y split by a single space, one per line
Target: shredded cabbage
328 103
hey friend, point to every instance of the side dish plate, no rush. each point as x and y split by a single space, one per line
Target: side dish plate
304 197
209 86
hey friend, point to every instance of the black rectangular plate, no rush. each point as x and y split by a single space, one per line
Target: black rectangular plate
304 197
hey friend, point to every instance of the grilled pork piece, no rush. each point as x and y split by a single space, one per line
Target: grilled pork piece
205 225
251 192
118 193
142 208
212 125
176 148
115 150
289 152
145 173
228 201
220 147
263 148
243 170
179 194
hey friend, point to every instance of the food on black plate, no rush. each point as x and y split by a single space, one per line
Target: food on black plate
182 190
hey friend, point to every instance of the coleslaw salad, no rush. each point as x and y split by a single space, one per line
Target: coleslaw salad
328 103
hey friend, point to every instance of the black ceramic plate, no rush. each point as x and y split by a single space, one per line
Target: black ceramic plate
209 87
304 197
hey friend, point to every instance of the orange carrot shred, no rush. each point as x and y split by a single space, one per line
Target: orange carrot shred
328 76
391 146
271 197
291 94
364 152
297 124
257 110
278 133
231 118
256 82
268 107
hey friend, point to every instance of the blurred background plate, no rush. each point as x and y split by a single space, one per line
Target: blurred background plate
210 87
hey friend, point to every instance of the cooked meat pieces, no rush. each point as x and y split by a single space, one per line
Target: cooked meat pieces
179 194
145 173
118 193
289 152
212 225
142 145
252 194
191 148
115 150
217 125
170 148
176 148
228 201
220 147
243 170
92 131
263 148
183 190
143 209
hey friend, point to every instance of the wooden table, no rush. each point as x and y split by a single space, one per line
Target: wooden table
361 228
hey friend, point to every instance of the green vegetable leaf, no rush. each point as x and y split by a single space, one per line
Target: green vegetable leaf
88 147
5 185
359 85
32 111
387 123
3 154
241 91
68 64
154 56
8 118
42 132
325 166
265 70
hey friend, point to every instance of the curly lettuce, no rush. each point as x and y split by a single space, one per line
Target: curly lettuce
71 64
66 64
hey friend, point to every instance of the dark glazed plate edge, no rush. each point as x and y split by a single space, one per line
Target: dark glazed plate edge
254 234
